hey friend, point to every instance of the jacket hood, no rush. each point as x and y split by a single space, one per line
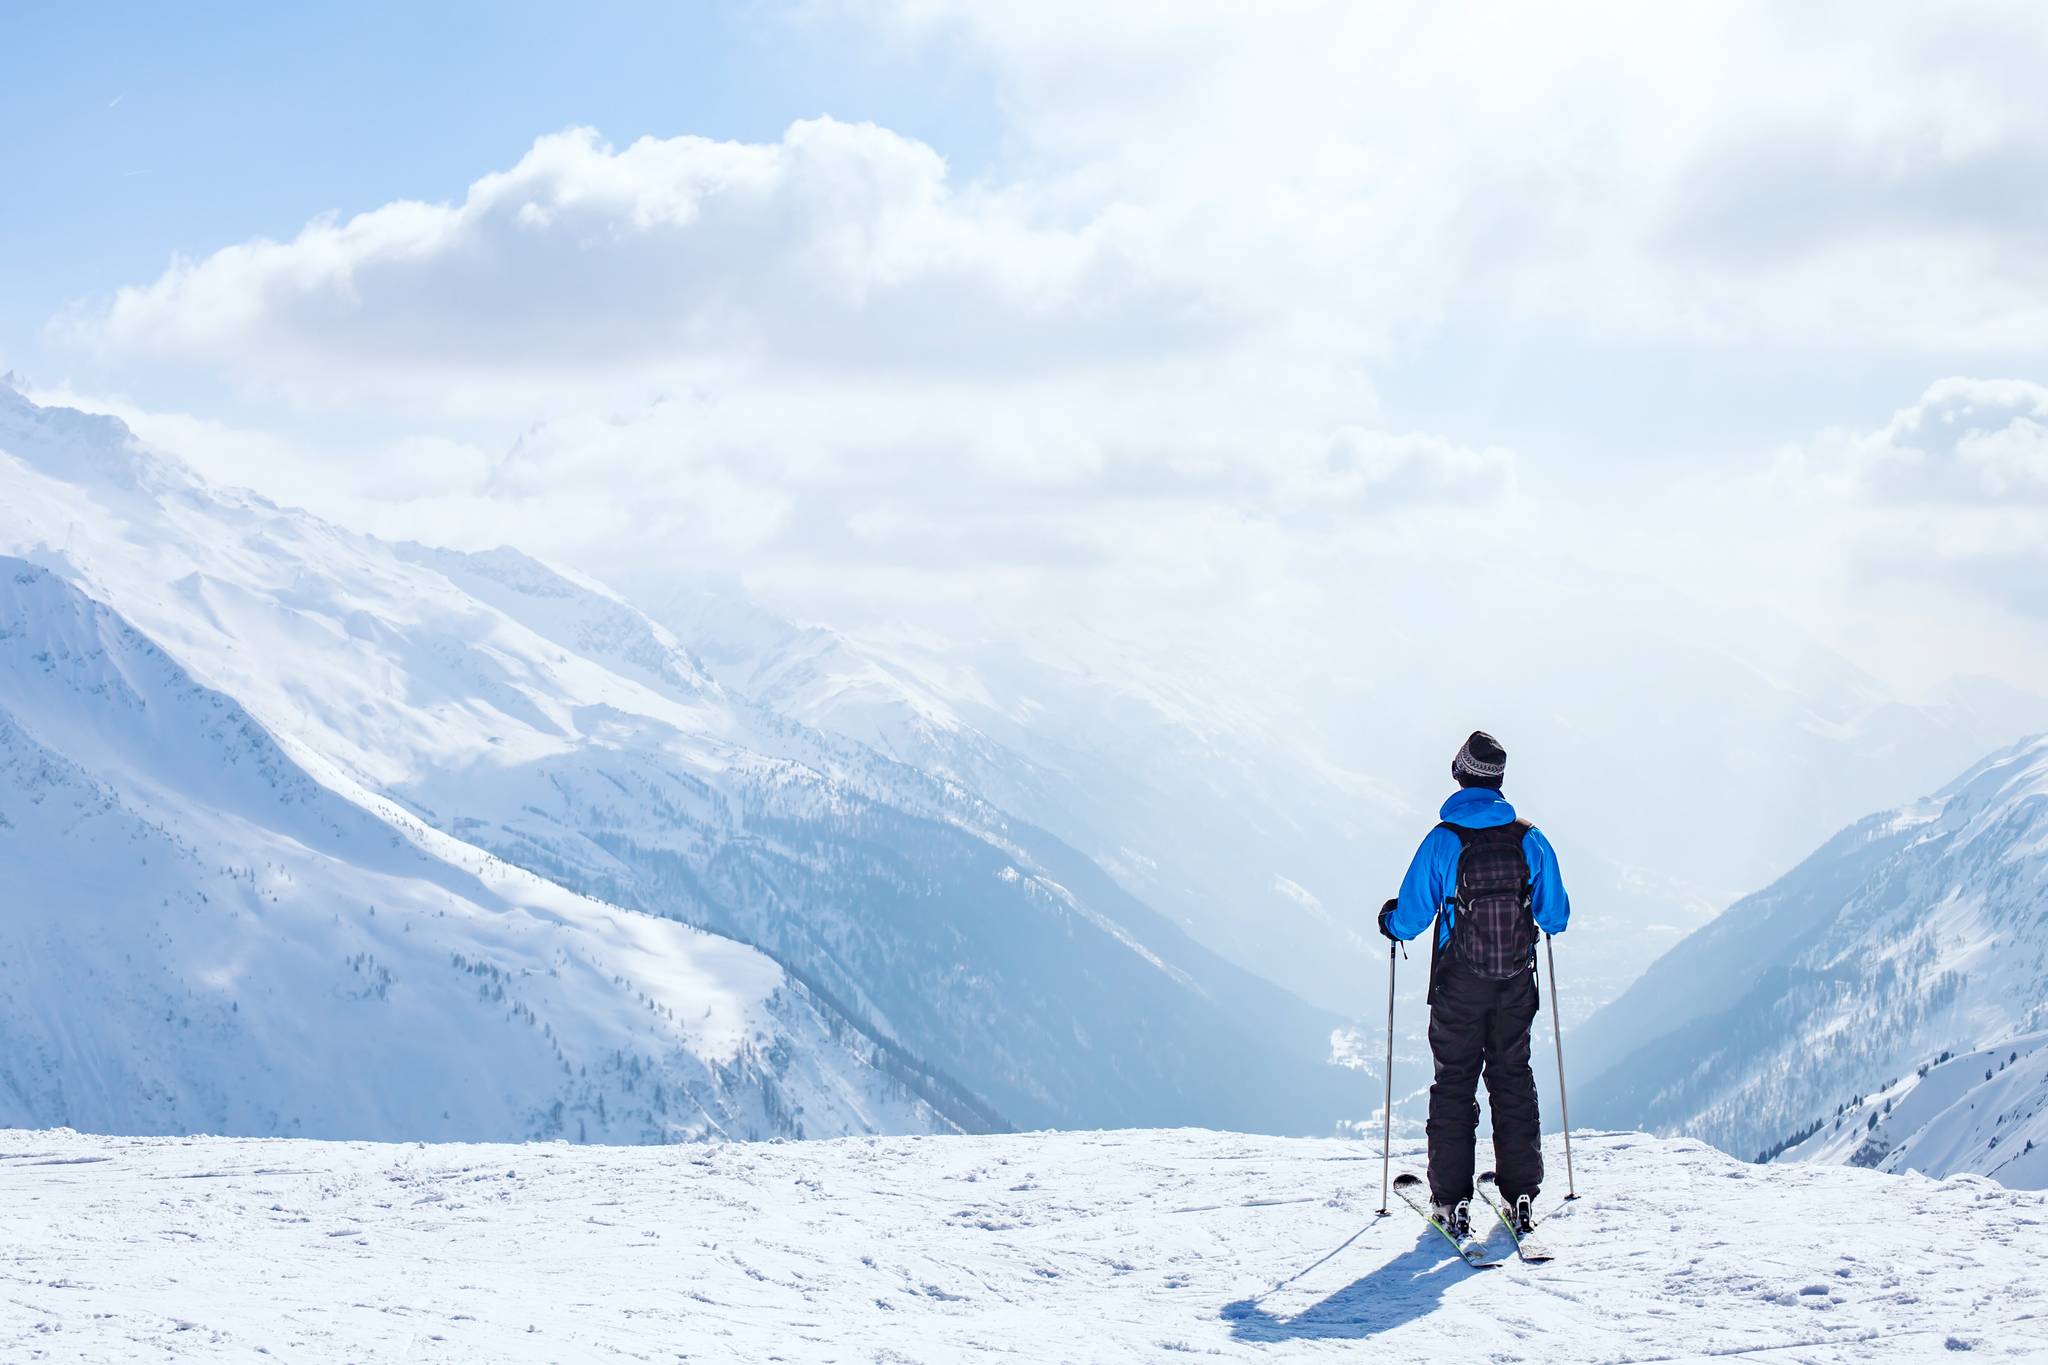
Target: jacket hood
1477 808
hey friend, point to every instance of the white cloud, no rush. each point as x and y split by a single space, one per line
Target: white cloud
1741 173
843 249
1414 467
1965 440
1911 546
1314 185
1136 369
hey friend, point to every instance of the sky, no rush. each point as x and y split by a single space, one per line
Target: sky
1195 320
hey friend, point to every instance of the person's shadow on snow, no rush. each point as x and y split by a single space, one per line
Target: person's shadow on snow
1405 1288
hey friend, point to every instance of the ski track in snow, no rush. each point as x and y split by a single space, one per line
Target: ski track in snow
1110 1246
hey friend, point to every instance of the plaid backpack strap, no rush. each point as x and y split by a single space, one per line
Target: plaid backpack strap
1437 939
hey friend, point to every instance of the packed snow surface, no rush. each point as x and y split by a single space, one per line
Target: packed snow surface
1110 1246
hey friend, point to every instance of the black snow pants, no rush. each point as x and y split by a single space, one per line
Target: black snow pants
1480 1025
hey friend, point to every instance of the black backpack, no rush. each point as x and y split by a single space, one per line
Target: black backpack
1493 933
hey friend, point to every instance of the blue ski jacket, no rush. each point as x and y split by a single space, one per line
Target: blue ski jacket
1432 881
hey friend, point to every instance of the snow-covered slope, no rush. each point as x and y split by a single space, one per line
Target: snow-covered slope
1111 1247
539 718
197 936
1196 805
1913 933
1984 1111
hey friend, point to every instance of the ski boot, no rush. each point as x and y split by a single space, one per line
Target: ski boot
1456 1218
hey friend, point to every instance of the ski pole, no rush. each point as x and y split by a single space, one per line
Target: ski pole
1387 1128
1564 1109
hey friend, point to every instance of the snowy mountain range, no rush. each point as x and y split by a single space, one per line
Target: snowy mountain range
1195 803
201 937
510 712
947 884
1883 1003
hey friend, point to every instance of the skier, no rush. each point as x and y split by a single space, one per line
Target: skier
1489 881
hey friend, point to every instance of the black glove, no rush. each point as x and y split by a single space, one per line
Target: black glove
1387 914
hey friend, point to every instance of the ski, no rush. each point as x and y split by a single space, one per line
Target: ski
1409 1187
1528 1248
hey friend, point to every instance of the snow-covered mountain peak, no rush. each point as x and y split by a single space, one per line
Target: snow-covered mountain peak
581 615
315 627
81 447
1918 933
812 672
1995 793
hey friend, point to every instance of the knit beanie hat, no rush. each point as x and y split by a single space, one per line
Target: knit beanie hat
1481 763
